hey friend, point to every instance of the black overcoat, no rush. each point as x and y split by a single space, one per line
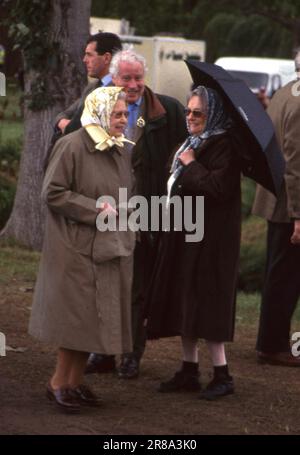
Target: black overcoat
193 289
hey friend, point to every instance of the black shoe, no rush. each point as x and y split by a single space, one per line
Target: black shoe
218 388
100 363
63 398
129 367
84 395
181 381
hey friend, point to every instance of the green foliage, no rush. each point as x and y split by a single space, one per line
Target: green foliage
230 27
246 36
253 254
282 8
11 104
11 131
9 165
248 193
30 26
10 153
11 114
7 195
257 36
150 18
218 43
247 310
253 242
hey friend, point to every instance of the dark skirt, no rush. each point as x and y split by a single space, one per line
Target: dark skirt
192 292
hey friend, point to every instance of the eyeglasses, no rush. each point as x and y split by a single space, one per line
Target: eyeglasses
196 112
119 114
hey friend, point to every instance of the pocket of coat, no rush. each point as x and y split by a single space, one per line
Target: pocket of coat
81 236
112 244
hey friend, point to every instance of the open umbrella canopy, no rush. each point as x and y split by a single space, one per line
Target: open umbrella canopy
261 157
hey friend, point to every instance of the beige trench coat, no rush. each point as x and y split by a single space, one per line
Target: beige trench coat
284 110
82 299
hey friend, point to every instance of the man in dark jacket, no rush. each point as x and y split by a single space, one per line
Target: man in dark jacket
157 125
97 58
282 284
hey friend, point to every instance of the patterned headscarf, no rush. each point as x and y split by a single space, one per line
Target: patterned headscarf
99 105
217 122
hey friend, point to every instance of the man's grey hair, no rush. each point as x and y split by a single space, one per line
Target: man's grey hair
128 56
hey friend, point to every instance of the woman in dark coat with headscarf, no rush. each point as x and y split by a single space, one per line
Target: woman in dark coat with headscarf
193 289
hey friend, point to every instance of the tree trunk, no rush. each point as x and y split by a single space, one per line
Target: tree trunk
70 27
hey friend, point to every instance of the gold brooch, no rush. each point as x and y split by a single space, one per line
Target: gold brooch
140 122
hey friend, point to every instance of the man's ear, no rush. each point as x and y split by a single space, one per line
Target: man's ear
107 58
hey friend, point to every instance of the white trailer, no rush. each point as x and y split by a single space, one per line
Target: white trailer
167 73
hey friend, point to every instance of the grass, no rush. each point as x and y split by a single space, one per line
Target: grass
11 131
17 263
248 193
253 254
247 311
248 307
11 121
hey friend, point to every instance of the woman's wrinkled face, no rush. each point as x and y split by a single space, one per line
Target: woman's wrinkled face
195 115
118 119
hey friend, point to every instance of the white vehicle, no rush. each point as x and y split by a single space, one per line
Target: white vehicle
260 73
167 72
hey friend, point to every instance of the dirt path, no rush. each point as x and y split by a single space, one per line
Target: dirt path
267 399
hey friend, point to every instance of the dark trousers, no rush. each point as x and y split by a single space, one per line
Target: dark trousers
138 298
144 261
281 289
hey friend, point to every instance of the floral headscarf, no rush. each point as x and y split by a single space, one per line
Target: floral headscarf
96 115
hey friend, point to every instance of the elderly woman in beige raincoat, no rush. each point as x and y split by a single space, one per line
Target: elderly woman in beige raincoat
83 292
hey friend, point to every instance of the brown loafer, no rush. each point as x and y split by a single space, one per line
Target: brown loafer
85 396
63 398
285 359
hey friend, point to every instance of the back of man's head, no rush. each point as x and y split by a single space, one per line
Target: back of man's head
106 42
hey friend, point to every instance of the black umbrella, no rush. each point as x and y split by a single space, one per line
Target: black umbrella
261 157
